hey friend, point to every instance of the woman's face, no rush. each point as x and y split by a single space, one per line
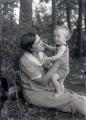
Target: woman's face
38 44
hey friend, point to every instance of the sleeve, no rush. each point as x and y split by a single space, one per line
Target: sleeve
30 70
59 45
34 73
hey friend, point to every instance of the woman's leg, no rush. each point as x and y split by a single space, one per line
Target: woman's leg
66 102
79 103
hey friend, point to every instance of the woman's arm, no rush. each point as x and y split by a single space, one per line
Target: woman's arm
31 71
42 80
60 52
46 78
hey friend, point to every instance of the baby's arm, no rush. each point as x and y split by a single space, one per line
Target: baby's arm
60 52
50 47
42 56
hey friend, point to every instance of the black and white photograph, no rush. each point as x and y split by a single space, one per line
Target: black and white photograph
42 59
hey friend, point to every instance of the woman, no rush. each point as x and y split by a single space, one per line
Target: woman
35 83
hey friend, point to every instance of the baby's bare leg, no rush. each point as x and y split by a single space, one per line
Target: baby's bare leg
56 84
61 82
62 79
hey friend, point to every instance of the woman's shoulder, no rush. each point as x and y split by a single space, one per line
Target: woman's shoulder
27 55
29 58
24 59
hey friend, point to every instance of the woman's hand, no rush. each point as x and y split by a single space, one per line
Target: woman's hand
46 63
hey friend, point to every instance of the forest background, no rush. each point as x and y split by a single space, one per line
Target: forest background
43 16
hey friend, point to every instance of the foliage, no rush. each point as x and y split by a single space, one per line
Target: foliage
43 21
9 44
61 11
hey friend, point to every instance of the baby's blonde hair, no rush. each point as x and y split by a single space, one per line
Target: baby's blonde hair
64 31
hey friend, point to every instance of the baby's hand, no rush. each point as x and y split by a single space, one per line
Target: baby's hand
50 47
45 45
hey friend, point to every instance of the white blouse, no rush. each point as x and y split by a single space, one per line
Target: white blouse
33 59
29 56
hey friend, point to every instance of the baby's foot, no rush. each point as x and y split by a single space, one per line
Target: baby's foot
57 94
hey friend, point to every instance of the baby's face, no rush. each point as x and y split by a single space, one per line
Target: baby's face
59 36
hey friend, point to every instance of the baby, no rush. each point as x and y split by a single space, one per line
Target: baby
42 56
61 35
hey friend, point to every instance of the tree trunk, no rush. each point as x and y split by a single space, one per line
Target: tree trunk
79 29
25 16
0 38
40 25
68 13
85 22
53 16
0 22
84 10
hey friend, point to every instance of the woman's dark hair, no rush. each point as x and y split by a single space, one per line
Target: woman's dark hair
27 41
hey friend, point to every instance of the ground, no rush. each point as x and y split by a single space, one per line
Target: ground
76 80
